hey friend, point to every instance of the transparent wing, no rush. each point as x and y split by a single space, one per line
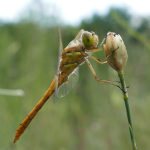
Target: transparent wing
66 87
58 64
73 77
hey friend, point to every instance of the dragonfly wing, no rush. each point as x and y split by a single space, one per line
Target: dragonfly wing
73 77
66 87
58 64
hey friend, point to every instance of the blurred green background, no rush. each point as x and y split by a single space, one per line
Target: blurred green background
92 116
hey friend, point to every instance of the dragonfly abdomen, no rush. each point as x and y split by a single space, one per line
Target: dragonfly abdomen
24 124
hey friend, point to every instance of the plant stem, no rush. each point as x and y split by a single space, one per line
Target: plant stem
125 94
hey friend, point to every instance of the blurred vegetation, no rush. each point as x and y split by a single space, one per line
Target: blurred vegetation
92 116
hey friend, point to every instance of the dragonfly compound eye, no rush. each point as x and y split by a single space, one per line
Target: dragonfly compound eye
87 39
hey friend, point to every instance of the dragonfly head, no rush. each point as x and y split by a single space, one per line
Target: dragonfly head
89 40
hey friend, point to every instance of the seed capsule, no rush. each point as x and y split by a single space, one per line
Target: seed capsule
119 57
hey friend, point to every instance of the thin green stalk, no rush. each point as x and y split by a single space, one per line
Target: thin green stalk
125 94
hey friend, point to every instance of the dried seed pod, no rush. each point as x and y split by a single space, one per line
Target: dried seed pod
119 57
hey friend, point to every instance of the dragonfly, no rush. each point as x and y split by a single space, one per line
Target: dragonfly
76 53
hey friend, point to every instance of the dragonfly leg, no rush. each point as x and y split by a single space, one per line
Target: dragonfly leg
96 49
110 54
101 45
100 80
98 60
104 60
